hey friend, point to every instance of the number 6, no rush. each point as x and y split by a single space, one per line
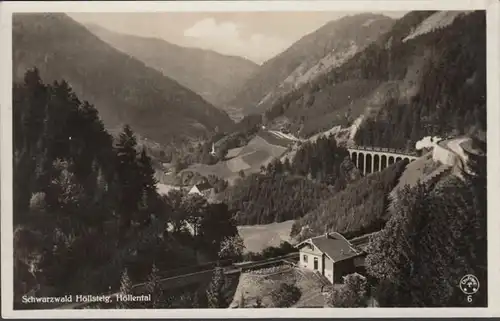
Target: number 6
469 298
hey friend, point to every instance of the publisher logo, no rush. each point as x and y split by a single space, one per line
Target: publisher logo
469 284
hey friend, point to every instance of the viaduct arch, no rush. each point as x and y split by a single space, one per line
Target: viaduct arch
371 159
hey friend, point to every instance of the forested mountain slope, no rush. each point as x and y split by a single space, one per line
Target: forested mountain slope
358 209
212 75
312 55
437 234
426 76
86 210
290 189
451 95
122 88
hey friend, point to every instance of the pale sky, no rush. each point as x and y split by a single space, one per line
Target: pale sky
257 36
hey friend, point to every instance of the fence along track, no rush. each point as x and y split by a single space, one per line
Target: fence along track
192 277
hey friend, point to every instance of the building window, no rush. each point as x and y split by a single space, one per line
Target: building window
304 258
315 263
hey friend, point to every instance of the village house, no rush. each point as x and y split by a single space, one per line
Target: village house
203 189
330 255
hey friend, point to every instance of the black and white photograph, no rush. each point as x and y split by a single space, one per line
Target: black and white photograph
248 159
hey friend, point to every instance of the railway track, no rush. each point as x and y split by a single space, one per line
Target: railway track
199 274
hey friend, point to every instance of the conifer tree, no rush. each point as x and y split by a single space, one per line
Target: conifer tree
147 173
196 300
215 291
130 193
29 107
149 203
125 289
353 293
436 236
154 288
66 192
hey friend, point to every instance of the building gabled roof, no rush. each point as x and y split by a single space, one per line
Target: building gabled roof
362 242
194 189
334 245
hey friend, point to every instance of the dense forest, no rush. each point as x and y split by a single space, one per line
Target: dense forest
325 161
452 96
449 77
436 236
86 209
325 101
273 197
358 209
289 189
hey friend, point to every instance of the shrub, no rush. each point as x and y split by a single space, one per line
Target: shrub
286 295
37 202
353 294
270 252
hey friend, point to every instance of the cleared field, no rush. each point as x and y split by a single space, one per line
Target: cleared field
233 152
275 138
165 189
220 169
237 164
259 151
270 143
257 237
256 158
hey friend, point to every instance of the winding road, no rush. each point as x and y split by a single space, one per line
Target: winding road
455 146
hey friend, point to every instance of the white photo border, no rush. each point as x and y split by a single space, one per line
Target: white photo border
492 8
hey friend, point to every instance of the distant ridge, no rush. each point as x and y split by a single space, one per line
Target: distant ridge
309 57
122 88
212 75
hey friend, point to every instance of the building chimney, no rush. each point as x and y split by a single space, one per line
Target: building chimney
342 251
327 235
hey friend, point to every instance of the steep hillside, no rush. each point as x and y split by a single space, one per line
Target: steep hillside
314 54
260 151
437 233
76 190
266 198
212 75
449 96
433 62
122 88
287 190
358 209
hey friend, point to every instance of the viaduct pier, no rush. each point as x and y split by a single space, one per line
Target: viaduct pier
374 159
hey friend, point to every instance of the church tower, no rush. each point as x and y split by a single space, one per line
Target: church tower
213 150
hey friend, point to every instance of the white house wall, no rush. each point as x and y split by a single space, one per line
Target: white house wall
311 254
329 269
309 264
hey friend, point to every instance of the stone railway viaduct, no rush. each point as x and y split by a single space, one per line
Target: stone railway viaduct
373 159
